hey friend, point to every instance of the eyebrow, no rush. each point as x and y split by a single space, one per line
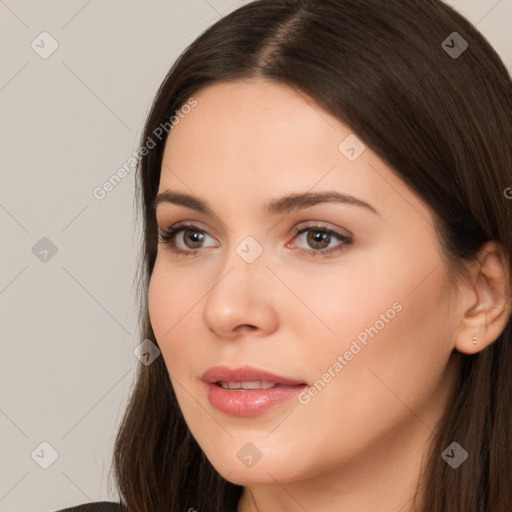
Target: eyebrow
286 204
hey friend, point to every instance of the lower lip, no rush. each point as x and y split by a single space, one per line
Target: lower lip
250 402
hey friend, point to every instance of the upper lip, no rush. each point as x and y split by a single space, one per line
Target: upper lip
245 374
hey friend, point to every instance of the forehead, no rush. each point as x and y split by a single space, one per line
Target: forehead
244 119
258 139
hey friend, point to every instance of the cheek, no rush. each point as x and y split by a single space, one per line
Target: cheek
388 321
170 296
173 312
406 350
332 308
159 303
396 374
164 309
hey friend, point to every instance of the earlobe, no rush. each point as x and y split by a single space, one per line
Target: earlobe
483 323
471 337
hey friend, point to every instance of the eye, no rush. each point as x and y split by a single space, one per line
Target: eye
319 240
190 240
186 239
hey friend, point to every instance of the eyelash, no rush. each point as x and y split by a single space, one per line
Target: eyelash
167 238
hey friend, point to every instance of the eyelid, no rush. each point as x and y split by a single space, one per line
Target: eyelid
165 225
311 224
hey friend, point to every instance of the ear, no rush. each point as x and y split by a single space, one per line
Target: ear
486 301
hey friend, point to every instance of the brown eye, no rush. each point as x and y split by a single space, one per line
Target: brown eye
318 239
186 239
192 238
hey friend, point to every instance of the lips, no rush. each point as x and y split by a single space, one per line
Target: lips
248 391
246 374
256 384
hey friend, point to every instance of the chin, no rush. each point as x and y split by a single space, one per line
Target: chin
248 467
253 476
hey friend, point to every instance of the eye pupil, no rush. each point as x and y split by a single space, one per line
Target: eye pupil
316 238
195 237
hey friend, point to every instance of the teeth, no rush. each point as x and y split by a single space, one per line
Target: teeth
256 384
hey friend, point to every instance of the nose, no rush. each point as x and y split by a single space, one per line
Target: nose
241 300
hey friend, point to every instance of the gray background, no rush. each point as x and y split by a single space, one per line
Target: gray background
68 320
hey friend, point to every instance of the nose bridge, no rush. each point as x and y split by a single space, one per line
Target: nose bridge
242 268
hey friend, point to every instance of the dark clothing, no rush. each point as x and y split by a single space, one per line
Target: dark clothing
98 506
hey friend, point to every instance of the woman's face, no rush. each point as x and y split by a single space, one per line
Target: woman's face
353 311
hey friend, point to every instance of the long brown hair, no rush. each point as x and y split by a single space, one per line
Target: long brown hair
442 122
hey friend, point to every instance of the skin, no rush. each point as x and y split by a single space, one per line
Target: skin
360 442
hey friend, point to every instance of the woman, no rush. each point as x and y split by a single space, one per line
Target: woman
327 267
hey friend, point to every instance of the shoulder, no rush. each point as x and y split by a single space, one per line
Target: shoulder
99 506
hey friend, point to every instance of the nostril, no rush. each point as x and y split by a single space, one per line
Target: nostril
246 327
